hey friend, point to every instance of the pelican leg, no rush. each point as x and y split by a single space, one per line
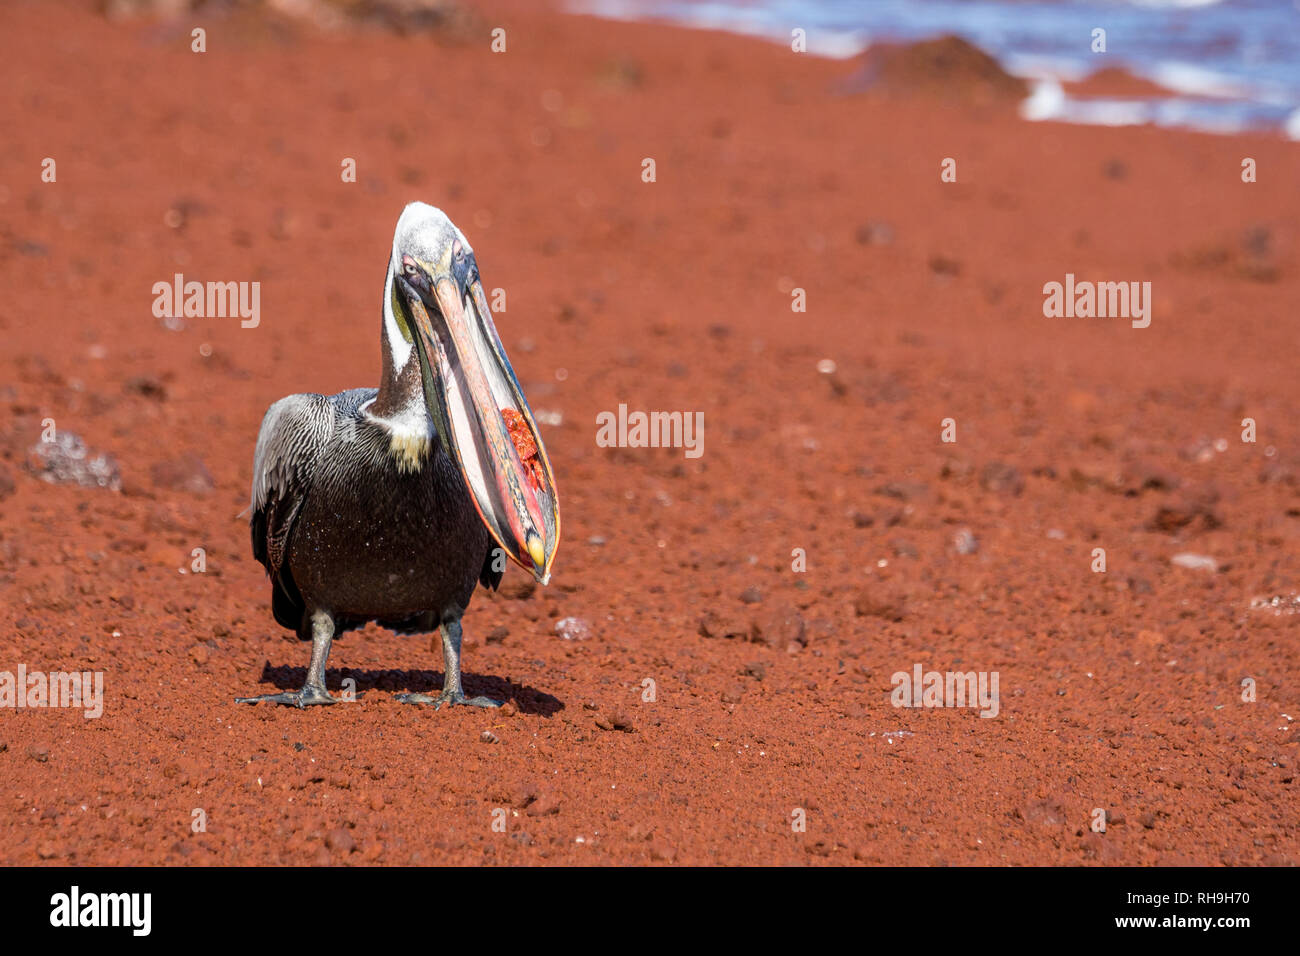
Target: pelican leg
313 691
451 689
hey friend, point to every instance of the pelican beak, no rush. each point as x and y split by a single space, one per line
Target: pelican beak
483 419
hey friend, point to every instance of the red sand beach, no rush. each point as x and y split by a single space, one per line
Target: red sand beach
1120 690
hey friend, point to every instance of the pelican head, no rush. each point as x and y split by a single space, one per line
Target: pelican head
479 411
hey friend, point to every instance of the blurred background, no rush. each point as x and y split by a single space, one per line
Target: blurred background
1220 65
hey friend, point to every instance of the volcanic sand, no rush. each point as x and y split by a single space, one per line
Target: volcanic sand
718 691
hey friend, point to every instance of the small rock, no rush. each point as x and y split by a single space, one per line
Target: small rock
522 796
146 386
965 542
67 460
713 624
199 654
498 634
779 627
573 629
40 753
890 517
944 265
1194 562
751 595
547 803
1194 509
1083 477
618 720
1045 811
488 737
662 851
755 669
886 606
874 233
47 851
1149 476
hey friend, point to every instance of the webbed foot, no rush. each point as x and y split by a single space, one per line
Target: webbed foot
450 698
306 697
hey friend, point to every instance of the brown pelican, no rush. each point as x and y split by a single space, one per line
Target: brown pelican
391 504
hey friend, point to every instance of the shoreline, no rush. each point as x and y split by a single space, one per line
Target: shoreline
1173 95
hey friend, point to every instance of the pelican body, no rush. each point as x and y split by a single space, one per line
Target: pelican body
392 504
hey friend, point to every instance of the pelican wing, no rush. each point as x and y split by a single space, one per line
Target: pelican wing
294 432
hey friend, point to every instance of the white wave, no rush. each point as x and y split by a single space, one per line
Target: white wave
1046 101
1049 102
1293 125
1197 81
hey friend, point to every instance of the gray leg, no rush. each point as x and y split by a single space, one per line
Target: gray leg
451 691
313 691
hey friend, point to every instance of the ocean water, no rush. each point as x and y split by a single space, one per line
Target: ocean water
1233 64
